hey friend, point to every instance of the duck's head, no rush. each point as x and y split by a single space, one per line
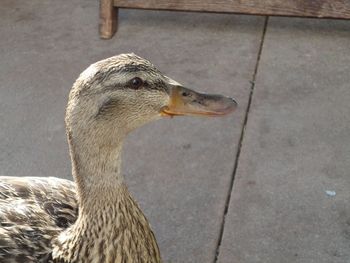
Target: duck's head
118 94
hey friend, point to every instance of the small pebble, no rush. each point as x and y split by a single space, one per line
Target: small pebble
331 193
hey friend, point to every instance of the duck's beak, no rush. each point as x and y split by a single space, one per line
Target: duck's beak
184 101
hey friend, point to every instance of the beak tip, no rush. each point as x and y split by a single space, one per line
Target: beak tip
234 103
231 106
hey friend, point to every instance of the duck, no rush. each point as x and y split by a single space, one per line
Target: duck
95 218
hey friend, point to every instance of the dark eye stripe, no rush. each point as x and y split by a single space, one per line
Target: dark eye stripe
153 85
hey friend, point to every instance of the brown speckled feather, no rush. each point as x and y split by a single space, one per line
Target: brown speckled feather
33 211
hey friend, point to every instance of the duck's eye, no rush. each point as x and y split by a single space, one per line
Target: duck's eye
136 83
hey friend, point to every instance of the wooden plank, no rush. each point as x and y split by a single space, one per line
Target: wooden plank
108 19
308 8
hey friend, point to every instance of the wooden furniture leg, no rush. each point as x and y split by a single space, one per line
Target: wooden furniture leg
108 19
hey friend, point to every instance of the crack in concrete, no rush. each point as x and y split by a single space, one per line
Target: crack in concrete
227 203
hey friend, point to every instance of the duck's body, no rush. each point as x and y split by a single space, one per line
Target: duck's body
95 219
35 211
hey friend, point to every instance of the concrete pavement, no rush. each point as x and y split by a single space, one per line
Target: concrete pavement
296 150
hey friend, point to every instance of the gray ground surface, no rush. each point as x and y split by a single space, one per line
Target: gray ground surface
295 145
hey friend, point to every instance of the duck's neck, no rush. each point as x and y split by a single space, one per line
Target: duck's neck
110 226
96 170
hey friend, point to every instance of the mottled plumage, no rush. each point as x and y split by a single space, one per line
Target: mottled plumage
32 212
95 219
